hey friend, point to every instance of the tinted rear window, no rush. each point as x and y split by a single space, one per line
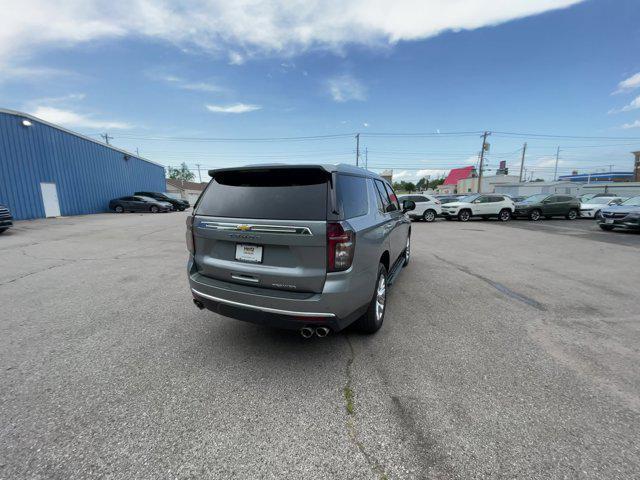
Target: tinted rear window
278 194
352 195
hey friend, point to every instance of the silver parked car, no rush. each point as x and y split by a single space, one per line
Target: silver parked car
307 247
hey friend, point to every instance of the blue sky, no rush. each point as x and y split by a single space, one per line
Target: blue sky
167 79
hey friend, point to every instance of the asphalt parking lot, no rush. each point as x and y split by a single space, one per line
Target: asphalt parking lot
508 351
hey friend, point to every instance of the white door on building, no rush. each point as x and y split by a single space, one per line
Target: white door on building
50 199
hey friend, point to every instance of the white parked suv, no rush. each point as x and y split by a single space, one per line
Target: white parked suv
428 207
480 205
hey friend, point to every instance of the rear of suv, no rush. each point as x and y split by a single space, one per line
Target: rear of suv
311 247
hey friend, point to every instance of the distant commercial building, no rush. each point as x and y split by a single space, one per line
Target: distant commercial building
489 183
387 175
185 190
519 189
450 184
599 177
49 171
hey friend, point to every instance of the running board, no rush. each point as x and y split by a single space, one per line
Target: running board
395 270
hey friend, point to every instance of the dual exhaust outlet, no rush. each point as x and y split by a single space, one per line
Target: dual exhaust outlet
307 332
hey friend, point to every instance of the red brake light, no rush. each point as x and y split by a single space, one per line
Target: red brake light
190 241
340 246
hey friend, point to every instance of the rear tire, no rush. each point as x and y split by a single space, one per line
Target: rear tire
2 230
464 215
429 216
119 209
153 209
535 215
598 215
504 215
606 228
572 215
372 320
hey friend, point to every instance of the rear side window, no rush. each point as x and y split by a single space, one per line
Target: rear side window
351 194
277 194
382 194
392 197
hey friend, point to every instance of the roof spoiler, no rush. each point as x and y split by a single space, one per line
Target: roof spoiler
214 172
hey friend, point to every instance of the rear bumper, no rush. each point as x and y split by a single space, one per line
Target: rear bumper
344 298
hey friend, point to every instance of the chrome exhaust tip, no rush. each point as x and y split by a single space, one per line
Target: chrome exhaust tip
306 332
322 332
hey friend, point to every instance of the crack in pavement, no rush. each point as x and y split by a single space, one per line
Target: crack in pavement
351 426
13 280
498 286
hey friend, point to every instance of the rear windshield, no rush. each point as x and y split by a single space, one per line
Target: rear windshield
277 194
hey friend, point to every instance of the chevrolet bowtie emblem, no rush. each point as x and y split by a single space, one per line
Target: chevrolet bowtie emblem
244 228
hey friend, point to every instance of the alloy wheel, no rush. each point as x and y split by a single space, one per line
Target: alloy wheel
381 297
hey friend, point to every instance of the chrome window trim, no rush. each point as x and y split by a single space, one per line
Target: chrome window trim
263 309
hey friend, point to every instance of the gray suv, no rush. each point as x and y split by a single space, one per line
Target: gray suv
312 248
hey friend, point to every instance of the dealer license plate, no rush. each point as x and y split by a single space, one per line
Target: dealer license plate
249 253
608 220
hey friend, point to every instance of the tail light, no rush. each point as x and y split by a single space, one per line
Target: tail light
341 242
190 242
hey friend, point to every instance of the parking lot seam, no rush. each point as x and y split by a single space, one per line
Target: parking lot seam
498 286
352 432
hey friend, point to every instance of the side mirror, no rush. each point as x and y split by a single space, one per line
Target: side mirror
408 205
476 201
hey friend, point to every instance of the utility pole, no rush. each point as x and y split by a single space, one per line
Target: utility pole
524 150
106 137
525 174
555 174
137 152
484 146
366 158
199 176
357 149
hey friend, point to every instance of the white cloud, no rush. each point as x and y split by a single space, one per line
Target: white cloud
69 118
628 126
235 108
344 88
251 27
201 87
184 84
628 84
415 175
634 105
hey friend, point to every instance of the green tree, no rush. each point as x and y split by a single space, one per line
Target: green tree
182 173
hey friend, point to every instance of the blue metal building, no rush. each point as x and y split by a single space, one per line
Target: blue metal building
599 177
47 171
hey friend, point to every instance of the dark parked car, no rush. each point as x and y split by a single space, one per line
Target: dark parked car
548 205
626 215
6 220
178 204
137 203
